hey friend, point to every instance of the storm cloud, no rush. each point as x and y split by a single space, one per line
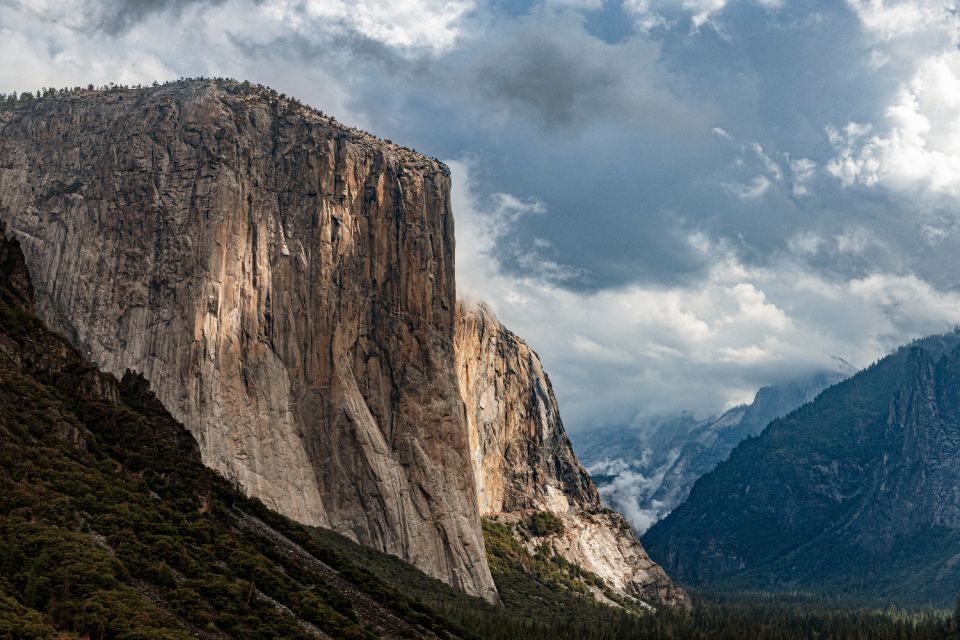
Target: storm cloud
675 202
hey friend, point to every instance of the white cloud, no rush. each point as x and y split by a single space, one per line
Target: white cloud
754 158
720 132
753 190
902 18
915 149
805 242
771 167
412 24
802 171
919 151
854 241
644 350
46 43
624 494
651 14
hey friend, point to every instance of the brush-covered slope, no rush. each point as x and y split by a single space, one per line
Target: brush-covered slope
111 528
856 493
285 283
529 481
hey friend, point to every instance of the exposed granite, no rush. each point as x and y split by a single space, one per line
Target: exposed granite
524 462
285 283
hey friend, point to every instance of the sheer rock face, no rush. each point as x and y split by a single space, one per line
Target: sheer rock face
524 463
286 285
522 458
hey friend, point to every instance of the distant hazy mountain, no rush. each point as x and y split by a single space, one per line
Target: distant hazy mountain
855 493
646 472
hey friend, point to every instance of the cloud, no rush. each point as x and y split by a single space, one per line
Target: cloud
895 19
646 351
651 14
915 149
626 490
548 67
407 24
771 171
803 170
752 190
919 152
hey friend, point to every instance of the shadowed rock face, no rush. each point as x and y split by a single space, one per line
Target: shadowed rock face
286 285
856 493
524 463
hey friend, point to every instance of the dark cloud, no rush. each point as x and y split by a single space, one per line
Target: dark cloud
670 167
542 73
115 17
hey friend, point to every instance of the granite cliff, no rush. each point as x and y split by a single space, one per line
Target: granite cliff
525 466
285 283
110 526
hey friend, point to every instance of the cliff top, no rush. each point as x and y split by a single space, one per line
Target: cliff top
227 90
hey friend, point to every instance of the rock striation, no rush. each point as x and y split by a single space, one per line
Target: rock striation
524 463
285 283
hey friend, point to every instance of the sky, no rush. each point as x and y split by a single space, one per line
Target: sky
674 202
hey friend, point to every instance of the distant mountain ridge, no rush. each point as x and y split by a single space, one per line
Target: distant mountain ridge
857 492
645 473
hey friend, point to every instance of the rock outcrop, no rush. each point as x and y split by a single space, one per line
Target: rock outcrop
524 463
286 284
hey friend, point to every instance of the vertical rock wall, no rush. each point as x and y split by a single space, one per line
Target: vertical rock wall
285 283
523 460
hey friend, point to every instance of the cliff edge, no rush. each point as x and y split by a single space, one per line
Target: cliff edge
525 466
285 283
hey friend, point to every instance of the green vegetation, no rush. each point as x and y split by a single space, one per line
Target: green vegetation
544 523
540 602
111 528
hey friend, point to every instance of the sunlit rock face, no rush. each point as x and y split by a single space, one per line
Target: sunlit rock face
524 463
285 283
521 455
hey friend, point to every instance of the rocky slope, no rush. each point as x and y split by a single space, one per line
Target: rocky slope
646 472
854 493
286 284
525 465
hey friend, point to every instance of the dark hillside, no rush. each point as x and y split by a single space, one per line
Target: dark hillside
856 494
